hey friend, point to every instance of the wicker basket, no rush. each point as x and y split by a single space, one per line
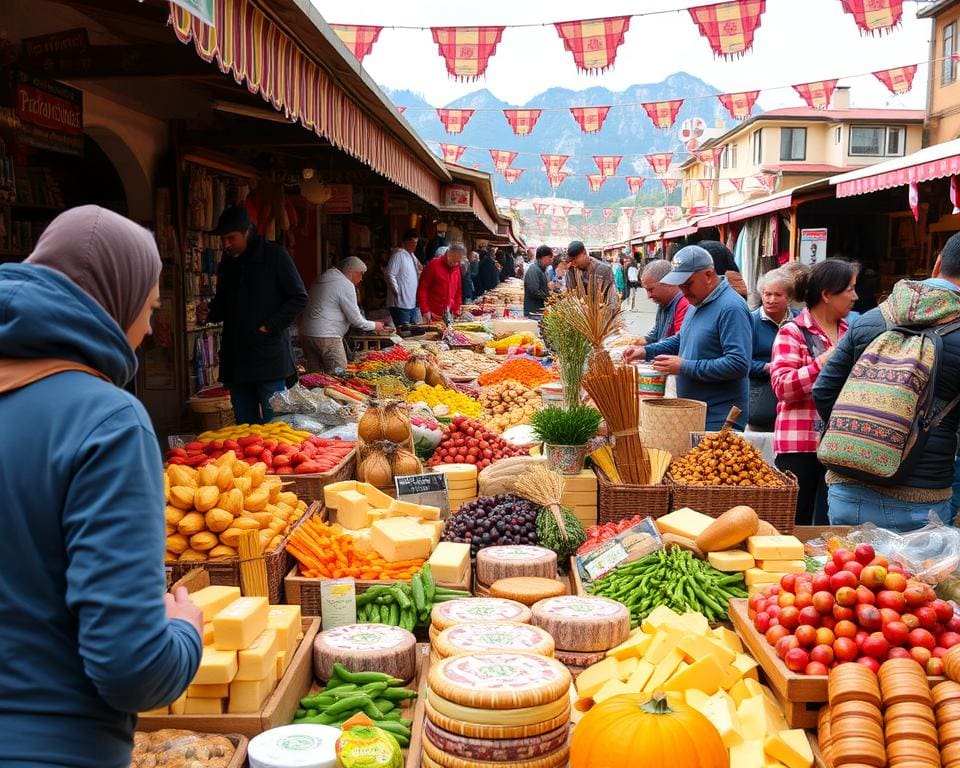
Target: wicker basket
210 413
227 572
309 487
619 501
666 423
778 506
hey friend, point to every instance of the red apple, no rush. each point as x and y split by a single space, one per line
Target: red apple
887 615
865 596
842 579
915 595
762 622
943 609
789 617
899 653
773 610
853 567
845 628
796 659
895 581
896 632
861 637
821 582
806 635
889 598
864 553
934 666
828 621
920 655
810 615
881 561
846 597
756 601
954 624
868 617
921 638
843 556
830 568
786 598
822 653
823 601
785 644
870 662
804 596
910 620
877 646
775 633
939 652
927 616
845 649
788 581
897 568
825 636
815 668
843 612
873 576
948 639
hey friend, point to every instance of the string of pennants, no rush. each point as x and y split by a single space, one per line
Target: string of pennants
728 26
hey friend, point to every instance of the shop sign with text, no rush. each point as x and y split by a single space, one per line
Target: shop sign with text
51 113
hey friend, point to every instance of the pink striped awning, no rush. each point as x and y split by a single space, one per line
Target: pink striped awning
936 162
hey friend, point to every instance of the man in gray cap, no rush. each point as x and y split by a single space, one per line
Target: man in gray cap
711 355
332 310
584 270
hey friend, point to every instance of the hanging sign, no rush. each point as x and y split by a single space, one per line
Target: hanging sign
554 163
67 44
502 159
51 113
456 196
341 199
593 42
454 120
451 152
401 110
813 246
590 119
634 183
429 489
670 185
739 105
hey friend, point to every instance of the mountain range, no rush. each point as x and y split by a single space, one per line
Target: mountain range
627 131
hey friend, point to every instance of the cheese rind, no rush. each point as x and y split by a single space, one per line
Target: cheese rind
684 522
775 547
731 560
238 625
211 600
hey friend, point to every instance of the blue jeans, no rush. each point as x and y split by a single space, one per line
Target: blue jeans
853 504
403 316
251 400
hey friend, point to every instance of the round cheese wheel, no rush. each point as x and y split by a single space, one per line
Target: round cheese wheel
488 636
527 589
458 471
500 680
498 750
443 759
504 562
362 647
578 658
295 746
583 623
433 633
499 717
481 731
473 609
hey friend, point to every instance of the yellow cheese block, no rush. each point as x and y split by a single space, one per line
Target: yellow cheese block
249 695
239 624
663 642
774 714
626 667
462 485
208 633
579 498
375 497
663 671
203 706
216 667
610 689
593 677
791 748
331 493
401 538
458 471
775 547
696 699
748 754
285 620
729 638
428 512
753 720
282 657
461 495
585 481
450 562
745 688
783 566
257 661
731 560
720 711
212 600
405 508
755 576
684 522
658 617
218 691
692 623
696 647
434 529
705 674
636 645
640 677
742 666
354 510
179 706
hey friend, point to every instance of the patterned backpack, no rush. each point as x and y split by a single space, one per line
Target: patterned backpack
885 411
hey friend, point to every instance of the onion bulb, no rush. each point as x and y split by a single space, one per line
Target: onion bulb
375 469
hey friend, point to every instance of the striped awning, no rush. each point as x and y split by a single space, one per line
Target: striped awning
257 53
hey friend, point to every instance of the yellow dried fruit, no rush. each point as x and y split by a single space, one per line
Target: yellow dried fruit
256 501
218 519
231 537
224 478
203 541
221 552
266 536
231 501
171 529
242 484
276 525
275 542
171 557
287 497
191 523
177 543
173 515
181 475
181 496
206 497
264 518
240 468
228 459
246 523
193 555
256 474
208 474
166 487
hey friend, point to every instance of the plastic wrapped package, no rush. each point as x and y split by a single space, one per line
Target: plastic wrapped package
300 400
343 432
179 747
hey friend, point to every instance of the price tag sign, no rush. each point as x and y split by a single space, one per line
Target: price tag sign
430 489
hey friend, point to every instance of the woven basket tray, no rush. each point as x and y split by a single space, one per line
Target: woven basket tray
619 501
227 572
310 487
778 506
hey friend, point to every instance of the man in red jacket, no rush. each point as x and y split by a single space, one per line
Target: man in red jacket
439 288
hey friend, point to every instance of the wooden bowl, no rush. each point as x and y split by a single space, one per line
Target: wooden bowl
909 709
897 693
856 749
916 749
857 726
948 712
858 709
949 732
910 728
950 752
945 691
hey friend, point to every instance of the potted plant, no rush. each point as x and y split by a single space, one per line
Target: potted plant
565 433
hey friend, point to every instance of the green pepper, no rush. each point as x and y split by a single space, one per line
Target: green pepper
349 704
371 594
360 678
301 712
372 711
419 598
429 585
384 705
398 694
394 618
401 596
374 689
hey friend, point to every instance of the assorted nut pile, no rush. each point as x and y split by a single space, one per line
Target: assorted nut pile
724 458
507 404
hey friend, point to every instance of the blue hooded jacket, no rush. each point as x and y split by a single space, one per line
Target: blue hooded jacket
84 638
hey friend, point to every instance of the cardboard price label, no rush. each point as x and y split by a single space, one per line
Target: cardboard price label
430 489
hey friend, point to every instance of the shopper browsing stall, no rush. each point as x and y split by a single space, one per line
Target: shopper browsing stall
776 292
402 273
672 305
536 285
439 289
586 271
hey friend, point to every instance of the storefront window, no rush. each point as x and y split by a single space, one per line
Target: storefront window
949 71
729 157
758 146
877 141
793 143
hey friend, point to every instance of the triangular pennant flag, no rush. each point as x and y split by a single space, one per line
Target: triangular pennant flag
567 209
663 114
522 120
669 185
467 50
593 42
514 201
401 110
590 119
585 212
874 16
510 175
595 180
554 163
708 156
897 79
451 152
634 183
737 184
739 105
628 212
454 120
818 94
502 159
539 208
358 38
706 185
607 213
660 162
607 164
729 26
650 211
557 178
766 180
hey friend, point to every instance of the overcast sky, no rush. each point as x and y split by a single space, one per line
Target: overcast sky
798 41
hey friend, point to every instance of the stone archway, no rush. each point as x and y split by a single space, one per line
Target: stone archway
139 190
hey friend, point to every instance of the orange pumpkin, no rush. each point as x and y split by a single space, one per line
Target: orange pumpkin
634 729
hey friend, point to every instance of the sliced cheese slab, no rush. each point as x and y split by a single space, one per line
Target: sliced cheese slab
635 645
594 677
527 589
496 750
504 562
482 731
473 609
490 636
731 560
791 748
684 522
450 562
523 716
331 493
216 667
500 680
754 576
748 754
583 623
782 566
375 497
775 547
239 624
358 646
203 706
458 472
213 599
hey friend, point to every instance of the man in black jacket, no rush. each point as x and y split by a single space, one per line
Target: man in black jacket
259 294
536 286
928 487
489 272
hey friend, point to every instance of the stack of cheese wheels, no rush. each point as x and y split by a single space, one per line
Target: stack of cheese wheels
583 628
461 483
489 637
490 709
362 647
470 610
528 590
514 560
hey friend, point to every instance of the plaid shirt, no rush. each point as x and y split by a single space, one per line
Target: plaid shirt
793 372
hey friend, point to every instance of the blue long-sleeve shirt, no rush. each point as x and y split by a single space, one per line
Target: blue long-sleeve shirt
84 638
764 333
715 343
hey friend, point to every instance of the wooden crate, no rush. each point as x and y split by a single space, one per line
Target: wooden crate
239 759
278 709
309 487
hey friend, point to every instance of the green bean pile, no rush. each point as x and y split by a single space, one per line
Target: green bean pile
404 605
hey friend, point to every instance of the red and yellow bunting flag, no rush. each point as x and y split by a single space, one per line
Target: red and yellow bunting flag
539 208
669 185
607 164
514 201
628 212
607 213
739 105
663 114
897 79
708 156
874 16
451 152
567 209
557 178
660 162
467 50
359 38
502 159
706 185
590 119
595 180
401 110
510 175
634 183
454 120
729 26
817 95
522 120
593 42
766 180
651 212
585 212
554 163
737 184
